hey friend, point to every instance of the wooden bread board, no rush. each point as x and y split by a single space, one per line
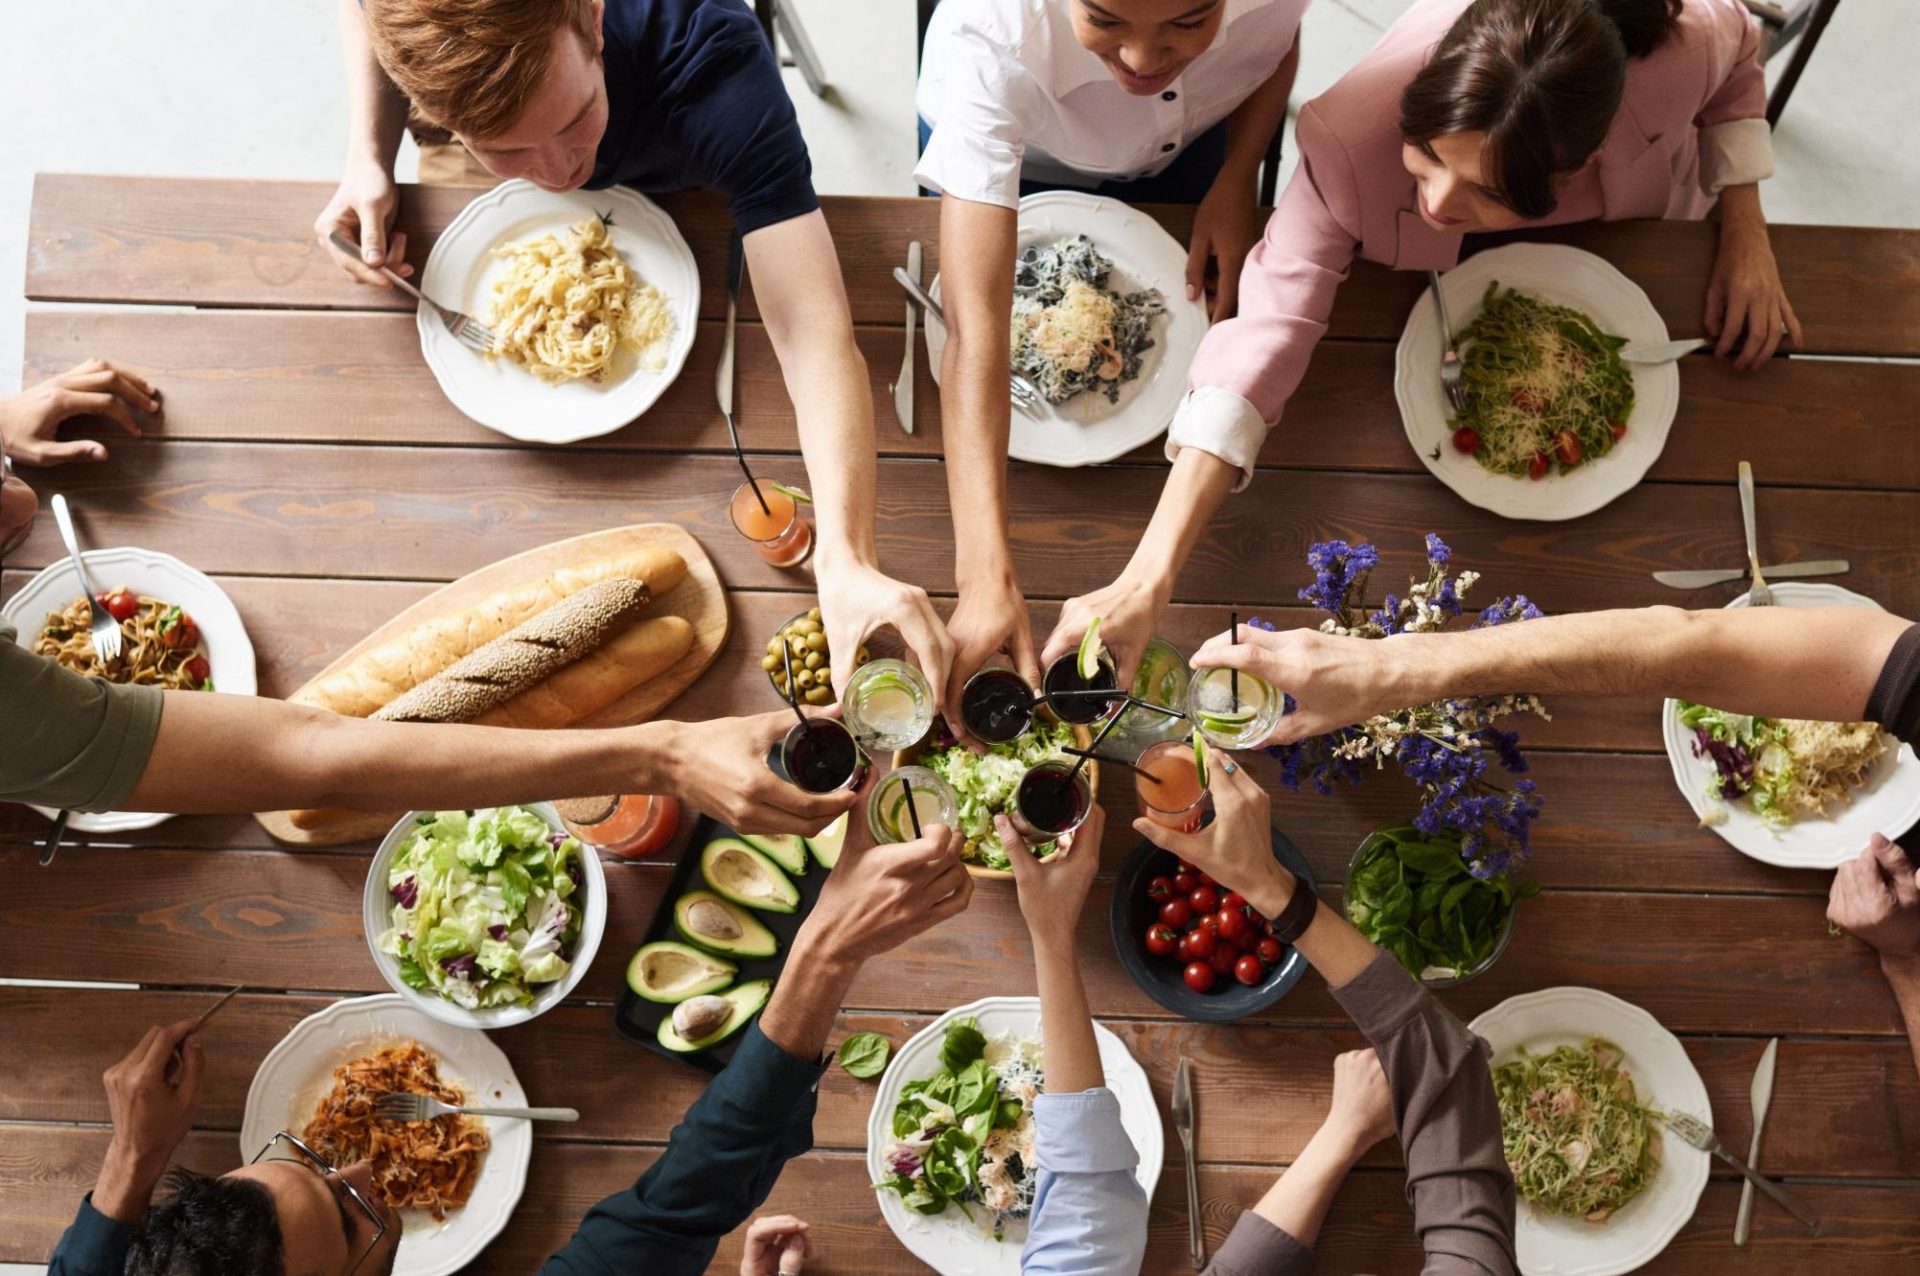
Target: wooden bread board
699 598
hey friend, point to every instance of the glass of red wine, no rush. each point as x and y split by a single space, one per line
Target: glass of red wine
1076 699
820 756
1052 801
996 705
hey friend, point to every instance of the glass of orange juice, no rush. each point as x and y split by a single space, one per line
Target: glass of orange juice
632 825
1168 786
778 529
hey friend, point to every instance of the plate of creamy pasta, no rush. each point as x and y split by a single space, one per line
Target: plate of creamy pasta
453 1181
592 298
179 631
1554 424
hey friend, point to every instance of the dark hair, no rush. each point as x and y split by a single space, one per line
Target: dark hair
1541 78
209 1227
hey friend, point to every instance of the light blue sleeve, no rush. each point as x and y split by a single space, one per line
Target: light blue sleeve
1089 1212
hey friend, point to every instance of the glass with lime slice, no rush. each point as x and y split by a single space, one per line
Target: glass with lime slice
1162 680
889 704
1230 717
934 802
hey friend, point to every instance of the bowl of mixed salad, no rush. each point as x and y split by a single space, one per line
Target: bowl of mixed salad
985 783
484 918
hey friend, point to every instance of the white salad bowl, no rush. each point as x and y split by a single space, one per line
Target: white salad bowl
377 912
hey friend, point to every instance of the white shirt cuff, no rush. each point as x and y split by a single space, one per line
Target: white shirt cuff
1222 423
982 169
1736 153
1081 1133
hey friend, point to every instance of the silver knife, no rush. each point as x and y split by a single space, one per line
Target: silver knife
1719 576
1762 1097
1183 1124
1660 351
903 387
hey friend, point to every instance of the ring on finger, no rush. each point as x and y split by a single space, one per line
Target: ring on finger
1229 767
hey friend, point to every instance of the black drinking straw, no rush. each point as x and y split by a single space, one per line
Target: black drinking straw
1097 742
741 456
906 783
786 655
1233 640
1110 760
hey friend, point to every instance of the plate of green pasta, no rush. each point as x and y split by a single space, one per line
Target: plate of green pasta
1583 1079
1553 424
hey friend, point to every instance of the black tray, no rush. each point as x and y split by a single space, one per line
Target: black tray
639 1019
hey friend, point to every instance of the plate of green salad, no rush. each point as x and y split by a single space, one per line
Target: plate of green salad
985 783
1788 791
1583 1079
951 1139
1553 425
484 918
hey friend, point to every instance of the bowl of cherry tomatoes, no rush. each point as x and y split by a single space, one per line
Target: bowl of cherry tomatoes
1195 946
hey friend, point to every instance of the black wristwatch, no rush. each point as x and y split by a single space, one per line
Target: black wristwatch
1298 914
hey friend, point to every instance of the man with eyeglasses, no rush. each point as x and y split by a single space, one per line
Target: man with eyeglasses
289 1213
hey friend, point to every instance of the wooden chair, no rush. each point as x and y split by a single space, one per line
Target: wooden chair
1269 167
1802 20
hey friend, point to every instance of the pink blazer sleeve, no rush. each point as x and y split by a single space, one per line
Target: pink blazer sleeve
1288 283
1742 91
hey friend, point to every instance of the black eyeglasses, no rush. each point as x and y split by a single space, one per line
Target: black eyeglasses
324 1167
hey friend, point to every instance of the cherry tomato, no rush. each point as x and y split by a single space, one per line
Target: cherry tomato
1566 446
1235 901
1232 923
1160 889
1201 879
1249 941
1180 950
199 670
1538 466
1248 970
1619 429
1161 939
1183 881
1222 961
178 632
1467 439
120 603
1266 927
1201 944
1204 899
1181 866
1270 950
1207 922
1199 976
1176 913
1529 402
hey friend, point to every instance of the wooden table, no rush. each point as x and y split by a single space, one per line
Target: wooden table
309 462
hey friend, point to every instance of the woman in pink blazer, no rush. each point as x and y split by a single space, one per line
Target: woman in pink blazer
1467 117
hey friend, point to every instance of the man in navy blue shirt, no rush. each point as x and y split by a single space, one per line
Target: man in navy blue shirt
660 95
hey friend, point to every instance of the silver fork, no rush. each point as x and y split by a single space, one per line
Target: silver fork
1450 356
1761 595
420 1107
467 330
1698 1134
104 629
1026 396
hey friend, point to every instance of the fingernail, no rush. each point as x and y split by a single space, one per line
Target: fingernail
1193 293
369 256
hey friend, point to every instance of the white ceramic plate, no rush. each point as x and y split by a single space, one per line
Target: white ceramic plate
1889 803
376 913
1567 277
1663 1077
1086 429
156 575
947 1242
298 1071
500 394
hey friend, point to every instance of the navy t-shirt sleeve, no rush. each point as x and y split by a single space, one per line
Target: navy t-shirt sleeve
740 131
1895 702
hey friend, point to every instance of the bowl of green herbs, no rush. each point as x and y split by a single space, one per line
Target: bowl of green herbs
1415 896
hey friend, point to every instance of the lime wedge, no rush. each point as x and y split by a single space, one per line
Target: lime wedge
1200 758
793 492
1226 722
1090 650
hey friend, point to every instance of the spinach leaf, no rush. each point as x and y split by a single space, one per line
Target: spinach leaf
865 1054
964 1043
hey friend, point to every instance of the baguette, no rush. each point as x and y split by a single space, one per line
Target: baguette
390 668
646 650
523 657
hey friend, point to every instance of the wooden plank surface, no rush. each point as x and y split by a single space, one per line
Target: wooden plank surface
235 243
283 376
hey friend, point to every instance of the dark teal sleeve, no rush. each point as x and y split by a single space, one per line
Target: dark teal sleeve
94 1245
720 1163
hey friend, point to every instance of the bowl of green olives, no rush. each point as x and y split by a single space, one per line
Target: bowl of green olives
806 638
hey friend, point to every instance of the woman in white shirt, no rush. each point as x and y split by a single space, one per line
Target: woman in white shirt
1144 100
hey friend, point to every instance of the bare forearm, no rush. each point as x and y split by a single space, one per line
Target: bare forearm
1298 1203
1804 663
1740 211
376 110
1903 975
1330 943
239 753
977 291
813 986
126 1183
1071 1052
1195 486
1251 126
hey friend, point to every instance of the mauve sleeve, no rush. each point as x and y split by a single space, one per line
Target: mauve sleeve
1895 702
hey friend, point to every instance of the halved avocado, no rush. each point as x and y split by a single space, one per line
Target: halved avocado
746 876
747 1000
749 938
784 849
670 972
827 842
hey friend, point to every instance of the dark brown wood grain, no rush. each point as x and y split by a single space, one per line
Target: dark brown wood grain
287 376
436 513
1865 1230
1261 1089
250 244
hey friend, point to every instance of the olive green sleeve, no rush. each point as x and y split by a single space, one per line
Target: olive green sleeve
66 740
